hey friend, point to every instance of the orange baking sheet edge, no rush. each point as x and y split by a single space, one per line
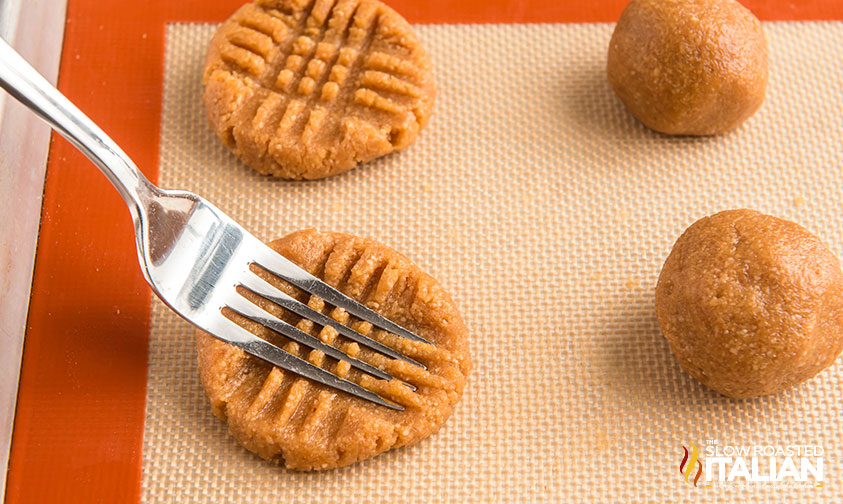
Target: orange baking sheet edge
79 424
79 419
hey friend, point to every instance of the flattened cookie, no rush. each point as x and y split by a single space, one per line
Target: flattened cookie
305 425
304 89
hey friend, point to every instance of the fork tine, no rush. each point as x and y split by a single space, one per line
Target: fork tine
280 266
253 312
265 350
264 289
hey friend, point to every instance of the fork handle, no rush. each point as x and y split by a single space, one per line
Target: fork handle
29 87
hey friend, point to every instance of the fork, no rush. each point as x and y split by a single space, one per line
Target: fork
195 257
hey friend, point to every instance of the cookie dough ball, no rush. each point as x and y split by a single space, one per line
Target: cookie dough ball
751 304
304 89
305 425
689 67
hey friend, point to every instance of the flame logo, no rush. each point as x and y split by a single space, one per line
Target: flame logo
687 466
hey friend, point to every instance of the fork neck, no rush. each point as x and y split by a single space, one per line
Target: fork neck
29 87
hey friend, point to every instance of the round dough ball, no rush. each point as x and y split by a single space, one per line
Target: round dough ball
690 67
305 89
308 426
751 304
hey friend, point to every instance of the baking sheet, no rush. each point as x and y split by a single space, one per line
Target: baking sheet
546 211
24 144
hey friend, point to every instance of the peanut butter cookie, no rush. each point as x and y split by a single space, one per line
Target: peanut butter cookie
305 425
751 304
304 89
690 67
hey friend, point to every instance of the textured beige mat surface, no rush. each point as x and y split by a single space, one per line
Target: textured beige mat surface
547 212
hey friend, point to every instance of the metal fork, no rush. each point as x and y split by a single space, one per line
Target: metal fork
194 256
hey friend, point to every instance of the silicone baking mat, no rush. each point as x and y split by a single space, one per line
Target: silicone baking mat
546 211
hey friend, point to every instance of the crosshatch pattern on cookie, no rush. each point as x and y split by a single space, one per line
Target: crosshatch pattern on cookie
299 75
305 425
